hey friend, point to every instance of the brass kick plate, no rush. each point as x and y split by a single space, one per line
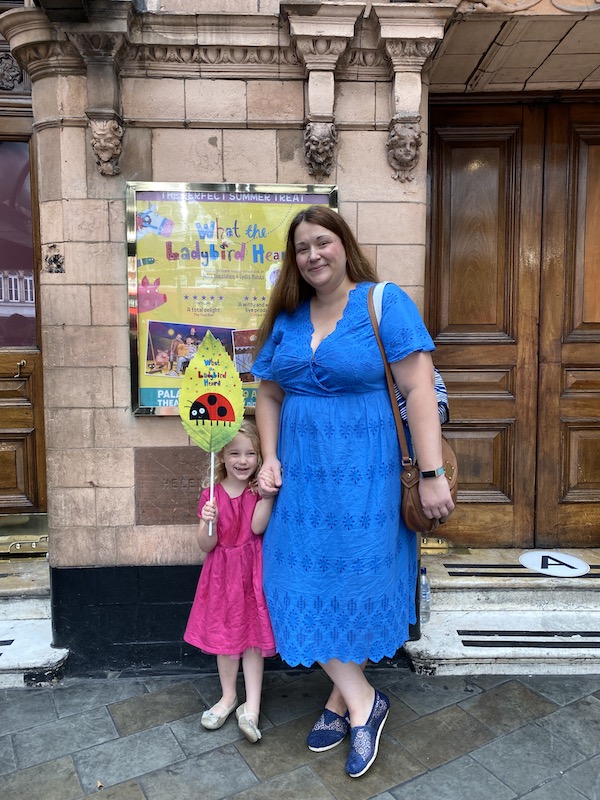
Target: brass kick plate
434 544
26 545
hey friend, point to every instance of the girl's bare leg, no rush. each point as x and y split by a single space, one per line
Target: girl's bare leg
228 668
253 665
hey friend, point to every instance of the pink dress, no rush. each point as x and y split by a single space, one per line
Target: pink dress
229 613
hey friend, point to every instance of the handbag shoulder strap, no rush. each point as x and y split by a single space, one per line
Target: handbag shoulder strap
378 288
378 298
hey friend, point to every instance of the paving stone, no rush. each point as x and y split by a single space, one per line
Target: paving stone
585 778
292 700
291 786
54 780
432 693
527 757
578 724
442 736
281 749
148 710
449 782
124 791
62 737
212 776
508 706
555 790
563 689
74 695
394 765
25 708
130 757
8 761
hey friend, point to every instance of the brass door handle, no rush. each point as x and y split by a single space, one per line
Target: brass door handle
20 364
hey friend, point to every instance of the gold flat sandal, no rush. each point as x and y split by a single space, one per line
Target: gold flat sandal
212 721
248 723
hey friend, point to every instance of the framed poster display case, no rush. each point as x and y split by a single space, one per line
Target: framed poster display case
202 257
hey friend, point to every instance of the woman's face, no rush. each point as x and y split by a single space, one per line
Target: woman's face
320 256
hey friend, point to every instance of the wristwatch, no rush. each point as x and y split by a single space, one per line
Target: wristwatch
433 473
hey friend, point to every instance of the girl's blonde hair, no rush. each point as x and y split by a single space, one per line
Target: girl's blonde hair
291 289
248 428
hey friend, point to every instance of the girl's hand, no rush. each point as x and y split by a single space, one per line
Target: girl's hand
435 497
269 478
210 512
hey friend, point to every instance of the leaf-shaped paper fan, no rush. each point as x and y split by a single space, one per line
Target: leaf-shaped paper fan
211 401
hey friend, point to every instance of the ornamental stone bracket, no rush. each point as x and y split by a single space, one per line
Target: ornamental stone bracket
320 36
102 55
410 33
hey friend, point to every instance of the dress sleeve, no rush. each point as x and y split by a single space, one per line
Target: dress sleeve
203 499
263 365
402 330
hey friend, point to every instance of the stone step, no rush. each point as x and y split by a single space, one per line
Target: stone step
482 642
26 654
494 580
490 615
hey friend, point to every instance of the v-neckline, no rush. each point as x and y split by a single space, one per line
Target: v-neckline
335 327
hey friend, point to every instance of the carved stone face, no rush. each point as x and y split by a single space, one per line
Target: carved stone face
404 145
319 141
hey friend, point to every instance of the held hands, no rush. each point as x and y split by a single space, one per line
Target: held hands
435 497
269 478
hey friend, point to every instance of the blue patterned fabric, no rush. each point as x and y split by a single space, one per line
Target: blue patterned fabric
339 564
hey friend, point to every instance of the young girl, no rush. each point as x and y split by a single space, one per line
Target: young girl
229 616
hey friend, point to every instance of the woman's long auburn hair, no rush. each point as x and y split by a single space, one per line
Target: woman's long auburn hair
291 289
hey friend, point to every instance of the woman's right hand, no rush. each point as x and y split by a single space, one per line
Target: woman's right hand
269 477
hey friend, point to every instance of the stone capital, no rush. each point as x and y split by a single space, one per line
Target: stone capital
321 33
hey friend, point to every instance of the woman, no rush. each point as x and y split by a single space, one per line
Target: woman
339 564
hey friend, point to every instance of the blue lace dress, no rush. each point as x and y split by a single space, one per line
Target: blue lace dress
339 564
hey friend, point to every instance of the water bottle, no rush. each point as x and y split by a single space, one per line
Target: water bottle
425 596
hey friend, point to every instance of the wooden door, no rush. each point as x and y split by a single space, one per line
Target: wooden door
483 285
568 497
22 451
513 286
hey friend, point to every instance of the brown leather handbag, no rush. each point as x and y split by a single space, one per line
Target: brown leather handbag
411 509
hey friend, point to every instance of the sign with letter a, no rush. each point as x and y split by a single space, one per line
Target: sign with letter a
553 564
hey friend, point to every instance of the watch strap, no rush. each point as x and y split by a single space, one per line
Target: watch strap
433 473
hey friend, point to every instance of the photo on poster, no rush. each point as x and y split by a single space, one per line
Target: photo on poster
172 345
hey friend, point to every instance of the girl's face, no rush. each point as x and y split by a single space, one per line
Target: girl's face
320 255
240 458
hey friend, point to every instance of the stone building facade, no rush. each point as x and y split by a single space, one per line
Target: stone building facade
234 91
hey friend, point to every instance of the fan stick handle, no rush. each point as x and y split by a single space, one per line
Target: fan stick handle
212 488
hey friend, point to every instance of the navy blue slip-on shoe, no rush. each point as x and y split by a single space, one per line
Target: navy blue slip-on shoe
364 739
328 731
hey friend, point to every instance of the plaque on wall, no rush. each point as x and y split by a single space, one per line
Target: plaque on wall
168 482
202 257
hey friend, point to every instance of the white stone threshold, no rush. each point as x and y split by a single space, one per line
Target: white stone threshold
26 655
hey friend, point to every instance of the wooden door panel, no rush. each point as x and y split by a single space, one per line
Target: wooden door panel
568 508
21 444
483 311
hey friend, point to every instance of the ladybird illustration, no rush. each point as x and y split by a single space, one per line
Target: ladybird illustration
212 407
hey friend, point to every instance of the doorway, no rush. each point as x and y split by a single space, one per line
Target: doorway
22 450
513 303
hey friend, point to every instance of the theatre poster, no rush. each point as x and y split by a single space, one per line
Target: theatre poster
202 257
